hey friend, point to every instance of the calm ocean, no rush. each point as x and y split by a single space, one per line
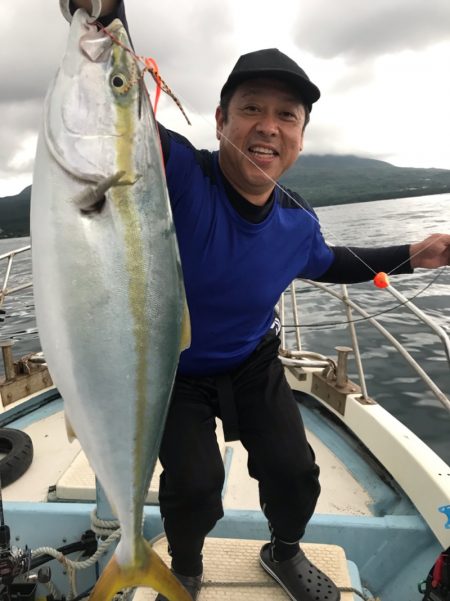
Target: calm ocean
389 378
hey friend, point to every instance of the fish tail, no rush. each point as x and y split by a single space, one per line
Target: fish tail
151 572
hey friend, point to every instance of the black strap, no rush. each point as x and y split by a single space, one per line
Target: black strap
227 406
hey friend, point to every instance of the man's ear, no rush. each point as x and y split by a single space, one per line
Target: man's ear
219 122
301 143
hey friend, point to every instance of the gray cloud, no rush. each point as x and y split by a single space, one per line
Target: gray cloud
19 120
31 49
189 44
197 43
353 76
194 51
358 29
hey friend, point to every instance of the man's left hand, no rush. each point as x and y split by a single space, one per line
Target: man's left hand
432 252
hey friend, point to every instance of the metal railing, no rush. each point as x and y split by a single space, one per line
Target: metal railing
349 305
9 258
299 357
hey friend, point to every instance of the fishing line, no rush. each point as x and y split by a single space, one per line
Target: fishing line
332 324
311 215
296 202
150 66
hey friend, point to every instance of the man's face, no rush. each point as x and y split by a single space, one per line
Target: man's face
261 137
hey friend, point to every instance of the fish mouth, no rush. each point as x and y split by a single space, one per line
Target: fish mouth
95 45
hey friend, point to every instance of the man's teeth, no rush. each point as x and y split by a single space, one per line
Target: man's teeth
260 150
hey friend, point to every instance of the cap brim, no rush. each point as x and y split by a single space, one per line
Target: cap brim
307 91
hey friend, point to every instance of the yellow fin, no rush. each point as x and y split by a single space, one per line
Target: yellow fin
152 572
185 341
70 431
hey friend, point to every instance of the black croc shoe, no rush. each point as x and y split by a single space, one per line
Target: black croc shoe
301 580
192 584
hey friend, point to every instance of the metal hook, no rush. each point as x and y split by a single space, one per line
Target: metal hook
64 6
96 10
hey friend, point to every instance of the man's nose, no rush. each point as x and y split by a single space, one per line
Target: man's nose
267 124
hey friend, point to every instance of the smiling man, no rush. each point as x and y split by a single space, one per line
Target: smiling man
243 239
260 128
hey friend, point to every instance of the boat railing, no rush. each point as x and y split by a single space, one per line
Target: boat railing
9 258
293 355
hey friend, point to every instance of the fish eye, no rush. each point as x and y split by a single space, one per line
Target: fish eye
119 82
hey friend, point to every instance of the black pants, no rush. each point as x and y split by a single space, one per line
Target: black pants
269 427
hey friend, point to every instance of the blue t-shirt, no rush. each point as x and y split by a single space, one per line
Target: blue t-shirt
234 270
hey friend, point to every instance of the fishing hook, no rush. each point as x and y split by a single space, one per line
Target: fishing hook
64 5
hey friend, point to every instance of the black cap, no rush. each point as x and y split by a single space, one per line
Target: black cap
272 63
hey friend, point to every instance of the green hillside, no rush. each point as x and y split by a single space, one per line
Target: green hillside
332 179
15 215
322 180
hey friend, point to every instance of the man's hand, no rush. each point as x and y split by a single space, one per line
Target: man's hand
432 252
107 6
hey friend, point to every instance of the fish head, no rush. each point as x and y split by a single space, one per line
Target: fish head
94 106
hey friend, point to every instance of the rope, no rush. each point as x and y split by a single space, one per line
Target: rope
108 529
78 565
103 527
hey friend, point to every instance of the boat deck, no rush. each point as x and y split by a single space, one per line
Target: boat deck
360 510
232 571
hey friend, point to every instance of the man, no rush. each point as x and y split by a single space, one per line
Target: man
242 240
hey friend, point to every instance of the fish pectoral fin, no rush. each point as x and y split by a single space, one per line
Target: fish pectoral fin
185 341
71 435
90 199
152 573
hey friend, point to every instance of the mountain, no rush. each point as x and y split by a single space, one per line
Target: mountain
337 179
15 215
321 179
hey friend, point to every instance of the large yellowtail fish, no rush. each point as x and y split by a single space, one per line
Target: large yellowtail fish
108 287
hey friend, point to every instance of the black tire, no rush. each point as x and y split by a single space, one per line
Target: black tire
19 454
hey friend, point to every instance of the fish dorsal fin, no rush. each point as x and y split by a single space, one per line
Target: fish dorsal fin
185 341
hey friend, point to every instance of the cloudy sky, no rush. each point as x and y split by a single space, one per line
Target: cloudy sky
383 68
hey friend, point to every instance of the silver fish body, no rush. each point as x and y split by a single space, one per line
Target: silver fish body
108 286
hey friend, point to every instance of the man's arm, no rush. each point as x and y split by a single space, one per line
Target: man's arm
352 265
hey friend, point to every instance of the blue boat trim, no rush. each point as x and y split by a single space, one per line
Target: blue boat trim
26 412
386 545
445 509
